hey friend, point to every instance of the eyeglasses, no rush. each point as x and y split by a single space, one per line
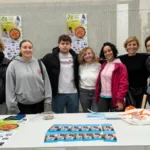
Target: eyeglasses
88 53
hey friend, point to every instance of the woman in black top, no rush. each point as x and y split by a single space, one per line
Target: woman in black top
3 66
137 72
147 46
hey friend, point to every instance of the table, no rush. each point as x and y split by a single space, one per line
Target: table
30 136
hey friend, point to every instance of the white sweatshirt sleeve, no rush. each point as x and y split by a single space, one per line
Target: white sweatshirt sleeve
11 102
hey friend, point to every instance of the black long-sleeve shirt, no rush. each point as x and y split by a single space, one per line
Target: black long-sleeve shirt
137 71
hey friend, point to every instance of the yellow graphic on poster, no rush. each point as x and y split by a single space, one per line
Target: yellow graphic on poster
7 130
8 125
77 30
11 34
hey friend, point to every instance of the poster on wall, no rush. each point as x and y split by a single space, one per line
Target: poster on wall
11 27
77 30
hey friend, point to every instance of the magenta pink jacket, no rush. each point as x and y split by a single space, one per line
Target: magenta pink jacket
119 83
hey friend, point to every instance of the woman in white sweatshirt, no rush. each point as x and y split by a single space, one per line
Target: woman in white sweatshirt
28 89
88 72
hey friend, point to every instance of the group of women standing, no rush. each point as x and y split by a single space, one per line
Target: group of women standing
116 77
103 87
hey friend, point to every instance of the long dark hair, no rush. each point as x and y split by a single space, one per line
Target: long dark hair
23 41
113 48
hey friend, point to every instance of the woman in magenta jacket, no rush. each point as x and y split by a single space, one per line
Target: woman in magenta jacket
112 82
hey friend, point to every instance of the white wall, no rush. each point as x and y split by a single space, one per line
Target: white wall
44 20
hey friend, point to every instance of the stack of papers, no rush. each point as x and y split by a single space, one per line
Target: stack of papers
96 115
112 116
103 116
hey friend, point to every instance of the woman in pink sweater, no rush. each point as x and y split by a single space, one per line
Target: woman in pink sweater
112 82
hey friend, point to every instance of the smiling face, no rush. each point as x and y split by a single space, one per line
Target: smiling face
26 50
88 56
132 48
108 53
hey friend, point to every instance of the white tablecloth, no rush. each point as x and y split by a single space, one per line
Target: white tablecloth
30 136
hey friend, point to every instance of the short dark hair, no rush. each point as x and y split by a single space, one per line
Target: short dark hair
65 38
113 48
146 40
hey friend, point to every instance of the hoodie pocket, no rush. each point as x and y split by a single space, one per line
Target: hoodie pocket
31 97
19 97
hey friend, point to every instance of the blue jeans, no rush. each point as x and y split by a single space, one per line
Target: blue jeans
69 101
87 99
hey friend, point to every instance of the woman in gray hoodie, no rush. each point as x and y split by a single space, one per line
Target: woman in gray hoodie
28 90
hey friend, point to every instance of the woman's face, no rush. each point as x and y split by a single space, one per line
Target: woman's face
108 53
88 56
26 50
132 47
148 46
